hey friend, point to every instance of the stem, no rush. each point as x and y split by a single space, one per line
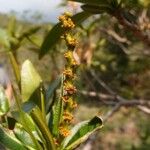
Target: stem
15 67
39 120
42 103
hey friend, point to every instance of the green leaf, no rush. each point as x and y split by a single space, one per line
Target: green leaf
57 111
24 137
4 104
81 132
92 2
4 38
10 141
28 106
40 122
56 32
12 26
29 32
27 123
57 116
30 80
96 9
50 91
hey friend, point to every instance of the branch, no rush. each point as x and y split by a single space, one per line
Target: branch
133 27
120 100
143 105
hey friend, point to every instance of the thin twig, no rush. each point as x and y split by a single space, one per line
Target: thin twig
143 105
133 27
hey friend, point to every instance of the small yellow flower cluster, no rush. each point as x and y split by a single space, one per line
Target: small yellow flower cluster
66 98
66 21
73 103
64 131
69 88
69 74
67 116
70 58
71 41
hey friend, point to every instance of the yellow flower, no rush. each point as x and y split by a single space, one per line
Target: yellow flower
67 116
68 72
71 41
69 88
66 21
64 131
65 98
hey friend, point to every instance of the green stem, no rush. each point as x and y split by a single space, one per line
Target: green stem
15 67
42 103
39 120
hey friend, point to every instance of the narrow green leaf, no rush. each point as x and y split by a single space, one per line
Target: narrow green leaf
96 9
56 32
29 32
81 132
30 80
4 38
57 116
10 141
40 122
50 91
42 98
92 2
4 104
12 26
28 106
57 111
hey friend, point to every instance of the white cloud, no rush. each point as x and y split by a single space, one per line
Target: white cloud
21 5
47 8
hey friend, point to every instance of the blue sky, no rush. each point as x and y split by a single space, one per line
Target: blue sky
48 8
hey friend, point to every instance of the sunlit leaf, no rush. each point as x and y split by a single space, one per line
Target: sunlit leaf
4 104
24 137
30 80
81 132
9 140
